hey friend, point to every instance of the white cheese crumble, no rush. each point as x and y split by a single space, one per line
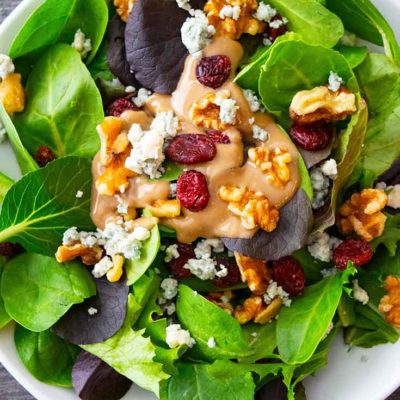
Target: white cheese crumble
321 246
6 66
228 110
122 207
274 291
197 33
278 23
223 272
393 193
334 81
170 309
184 4
147 154
320 184
211 343
130 89
260 133
79 194
230 12
172 192
171 252
92 311
267 42
140 233
170 288
141 97
81 43
327 272
88 239
204 269
205 247
359 293
252 99
176 336
265 12
329 168
102 267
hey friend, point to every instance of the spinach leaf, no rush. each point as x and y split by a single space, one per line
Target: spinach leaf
37 290
136 268
301 327
311 266
311 20
56 21
210 321
249 75
25 161
347 155
355 56
131 354
5 185
290 69
262 339
4 317
379 80
363 18
39 208
47 357
64 105
223 380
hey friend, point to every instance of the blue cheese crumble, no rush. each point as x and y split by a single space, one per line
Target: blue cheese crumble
176 336
82 44
6 66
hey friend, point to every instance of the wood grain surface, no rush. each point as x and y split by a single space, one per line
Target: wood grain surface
9 388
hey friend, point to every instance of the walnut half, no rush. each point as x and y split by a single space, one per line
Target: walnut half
362 214
390 303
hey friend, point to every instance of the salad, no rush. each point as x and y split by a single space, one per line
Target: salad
210 193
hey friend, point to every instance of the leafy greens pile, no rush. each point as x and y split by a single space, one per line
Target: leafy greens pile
124 341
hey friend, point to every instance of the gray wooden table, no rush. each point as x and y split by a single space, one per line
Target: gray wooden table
9 388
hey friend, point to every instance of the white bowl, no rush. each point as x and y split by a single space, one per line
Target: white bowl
358 374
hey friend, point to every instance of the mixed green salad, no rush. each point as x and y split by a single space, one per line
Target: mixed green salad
210 193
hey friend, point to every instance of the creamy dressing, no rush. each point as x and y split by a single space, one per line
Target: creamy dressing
227 168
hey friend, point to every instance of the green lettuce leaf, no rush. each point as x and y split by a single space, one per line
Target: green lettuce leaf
391 235
210 321
47 357
5 185
131 354
37 291
4 317
364 19
39 208
64 106
379 81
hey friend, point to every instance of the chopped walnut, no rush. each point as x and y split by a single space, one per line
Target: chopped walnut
115 148
254 209
233 26
254 272
12 93
273 163
362 214
390 303
88 255
165 208
222 300
254 309
322 104
206 112
124 8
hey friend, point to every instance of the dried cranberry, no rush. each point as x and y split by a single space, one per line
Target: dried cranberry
117 107
213 71
186 252
191 148
218 136
273 33
289 274
44 155
233 276
358 251
312 137
8 249
192 191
